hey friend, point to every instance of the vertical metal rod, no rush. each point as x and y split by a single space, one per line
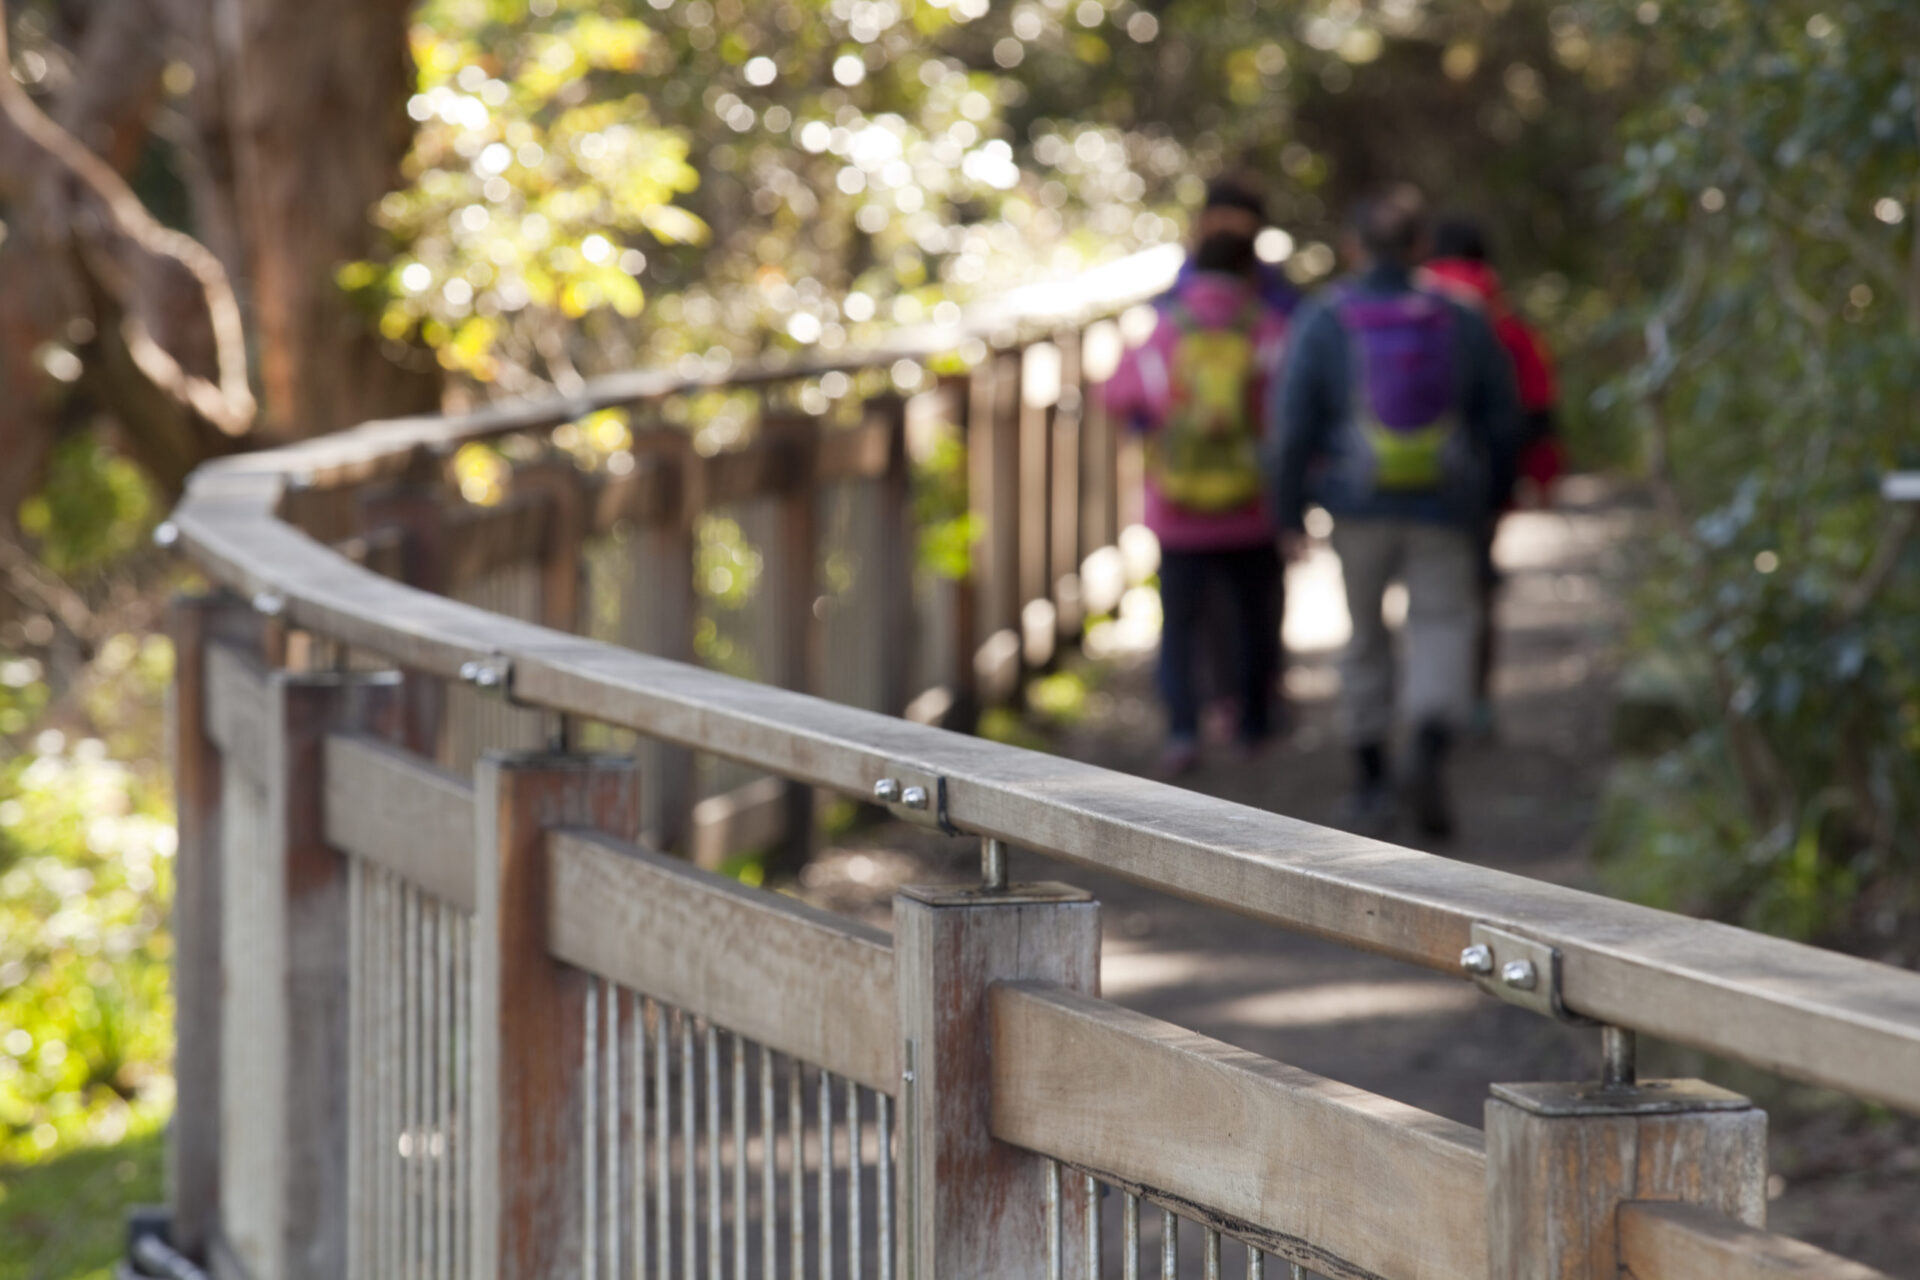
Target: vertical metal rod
739 1157
449 922
410 1082
716 1242
1055 1245
1169 1245
1213 1254
826 1174
855 1166
993 863
796 1171
432 1132
637 1018
590 1088
610 1128
769 1225
1256 1264
395 1072
663 1139
469 1151
1094 1260
883 1181
356 1069
1296 1272
1618 1053
689 1154
1129 1236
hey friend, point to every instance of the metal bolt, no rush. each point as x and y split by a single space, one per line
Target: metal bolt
268 603
914 797
887 790
1519 974
1477 958
486 677
166 533
469 671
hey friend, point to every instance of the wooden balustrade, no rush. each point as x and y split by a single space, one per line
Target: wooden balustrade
447 1009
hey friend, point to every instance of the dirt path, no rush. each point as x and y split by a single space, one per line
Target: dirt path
1527 802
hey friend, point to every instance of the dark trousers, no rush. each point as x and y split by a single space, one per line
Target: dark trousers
1247 583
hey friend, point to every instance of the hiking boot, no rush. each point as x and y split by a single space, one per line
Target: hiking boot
1427 789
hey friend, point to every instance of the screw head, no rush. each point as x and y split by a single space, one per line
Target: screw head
469 671
1477 958
268 604
165 534
1519 974
486 677
914 797
887 790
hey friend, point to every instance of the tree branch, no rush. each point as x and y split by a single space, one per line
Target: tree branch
228 403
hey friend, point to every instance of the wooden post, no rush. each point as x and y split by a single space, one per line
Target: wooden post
791 572
661 607
972 1206
993 490
529 1011
286 961
891 559
957 603
1036 500
415 510
1069 440
193 1147
561 562
1099 507
1561 1158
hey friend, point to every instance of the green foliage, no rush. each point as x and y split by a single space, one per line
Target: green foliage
65 1219
86 844
1766 194
94 506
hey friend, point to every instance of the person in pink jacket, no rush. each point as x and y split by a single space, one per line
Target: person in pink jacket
1197 390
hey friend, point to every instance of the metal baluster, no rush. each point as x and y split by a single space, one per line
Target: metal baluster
1256 1264
855 1165
611 1128
445 923
689 1153
663 1139
797 1170
1130 1236
356 1055
1093 1229
715 1242
431 1242
1296 1272
461 1146
1055 1243
1169 1245
739 1157
769 1227
826 1174
590 1087
883 1181
637 1012
1213 1254
410 1082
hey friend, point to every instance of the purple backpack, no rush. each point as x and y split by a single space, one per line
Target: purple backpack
1406 395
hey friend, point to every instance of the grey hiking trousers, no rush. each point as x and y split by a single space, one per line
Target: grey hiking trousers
1439 564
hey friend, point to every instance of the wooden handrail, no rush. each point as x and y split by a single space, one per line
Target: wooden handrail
1673 1241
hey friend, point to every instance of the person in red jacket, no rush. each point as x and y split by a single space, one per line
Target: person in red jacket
1459 266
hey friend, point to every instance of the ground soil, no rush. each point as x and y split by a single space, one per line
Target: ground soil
1845 1178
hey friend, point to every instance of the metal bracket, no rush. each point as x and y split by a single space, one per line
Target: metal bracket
1517 969
913 796
492 674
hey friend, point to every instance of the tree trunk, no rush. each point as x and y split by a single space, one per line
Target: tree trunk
316 100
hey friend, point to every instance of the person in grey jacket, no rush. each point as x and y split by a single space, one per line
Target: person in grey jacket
1397 413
